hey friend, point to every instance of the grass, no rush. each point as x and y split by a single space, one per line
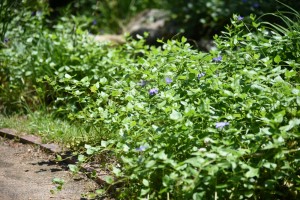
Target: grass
50 129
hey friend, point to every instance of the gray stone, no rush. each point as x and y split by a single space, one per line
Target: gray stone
156 22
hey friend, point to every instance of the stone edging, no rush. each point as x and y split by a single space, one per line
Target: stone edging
30 139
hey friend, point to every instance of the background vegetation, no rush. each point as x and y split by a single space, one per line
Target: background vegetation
180 124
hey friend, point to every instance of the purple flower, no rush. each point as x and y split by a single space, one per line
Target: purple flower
141 148
221 124
5 40
255 5
143 83
169 80
240 18
217 59
39 13
153 91
94 22
201 75
244 1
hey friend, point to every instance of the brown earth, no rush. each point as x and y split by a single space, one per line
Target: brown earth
26 173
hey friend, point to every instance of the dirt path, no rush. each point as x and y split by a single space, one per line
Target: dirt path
26 173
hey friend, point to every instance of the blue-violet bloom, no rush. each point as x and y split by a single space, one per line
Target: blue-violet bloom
6 40
153 91
217 59
141 148
143 83
221 124
255 5
39 13
201 75
169 80
240 18
94 22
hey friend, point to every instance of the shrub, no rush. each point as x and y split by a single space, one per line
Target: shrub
190 125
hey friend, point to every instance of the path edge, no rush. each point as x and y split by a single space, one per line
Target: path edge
49 148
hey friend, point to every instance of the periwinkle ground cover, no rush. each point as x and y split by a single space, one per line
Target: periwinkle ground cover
181 124
225 126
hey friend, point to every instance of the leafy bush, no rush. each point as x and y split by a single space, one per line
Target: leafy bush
6 15
190 125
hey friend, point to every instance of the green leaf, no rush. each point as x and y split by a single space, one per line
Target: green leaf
175 115
68 76
93 89
290 74
73 168
91 195
278 117
150 163
145 191
161 155
103 80
29 40
182 77
277 59
292 124
58 158
103 143
269 165
109 179
183 40
222 186
81 158
116 171
90 151
196 161
58 181
252 172
100 191
116 93
146 182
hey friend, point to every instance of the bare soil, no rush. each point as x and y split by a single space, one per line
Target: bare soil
26 173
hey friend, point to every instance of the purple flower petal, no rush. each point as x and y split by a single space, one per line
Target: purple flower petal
255 5
169 80
217 59
141 148
221 124
143 83
201 75
153 91
240 18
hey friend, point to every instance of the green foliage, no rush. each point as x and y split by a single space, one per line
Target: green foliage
199 18
181 124
7 12
106 15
